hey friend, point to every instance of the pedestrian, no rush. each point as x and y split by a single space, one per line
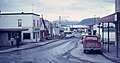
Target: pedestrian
17 41
12 40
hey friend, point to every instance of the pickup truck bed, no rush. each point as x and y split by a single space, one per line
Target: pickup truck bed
91 43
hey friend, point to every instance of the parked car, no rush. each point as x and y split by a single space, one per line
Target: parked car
77 34
91 43
68 34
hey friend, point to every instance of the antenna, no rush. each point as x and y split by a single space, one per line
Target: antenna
32 8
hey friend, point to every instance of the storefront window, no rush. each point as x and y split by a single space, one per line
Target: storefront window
26 35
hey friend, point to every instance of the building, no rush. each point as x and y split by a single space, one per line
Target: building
66 28
48 29
117 5
56 30
20 22
114 19
78 28
42 29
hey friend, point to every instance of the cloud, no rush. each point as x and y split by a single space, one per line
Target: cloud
57 3
109 1
18 5
90 4
76 9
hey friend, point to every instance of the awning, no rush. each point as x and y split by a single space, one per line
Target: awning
109 18
12 29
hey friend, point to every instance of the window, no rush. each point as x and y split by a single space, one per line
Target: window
33 23
26 35
33 35
19 22
91 38
37 22
38 34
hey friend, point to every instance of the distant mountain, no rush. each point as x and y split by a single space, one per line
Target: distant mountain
65 22
89 21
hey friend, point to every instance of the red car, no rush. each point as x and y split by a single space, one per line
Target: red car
91 42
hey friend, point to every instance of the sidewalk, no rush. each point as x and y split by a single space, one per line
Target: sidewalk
112 55
26 46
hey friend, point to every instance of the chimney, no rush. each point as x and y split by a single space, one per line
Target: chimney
22 12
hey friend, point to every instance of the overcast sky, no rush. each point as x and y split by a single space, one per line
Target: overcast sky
51 9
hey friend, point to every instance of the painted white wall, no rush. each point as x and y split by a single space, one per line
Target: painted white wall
11 21
77 26
66 29
56 31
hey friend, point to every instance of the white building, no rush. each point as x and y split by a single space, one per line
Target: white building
78 28
16 21
66 28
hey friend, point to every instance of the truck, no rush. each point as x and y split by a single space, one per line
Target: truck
91 43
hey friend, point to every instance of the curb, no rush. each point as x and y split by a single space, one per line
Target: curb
110 58
31 47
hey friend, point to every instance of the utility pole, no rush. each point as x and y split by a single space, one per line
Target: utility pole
59 25
32 7
60 21
108 37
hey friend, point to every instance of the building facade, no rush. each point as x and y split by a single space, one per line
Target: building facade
21 21
48 29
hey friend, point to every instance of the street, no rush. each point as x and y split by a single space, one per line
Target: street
62 51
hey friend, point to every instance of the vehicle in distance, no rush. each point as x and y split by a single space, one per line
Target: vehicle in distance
68 34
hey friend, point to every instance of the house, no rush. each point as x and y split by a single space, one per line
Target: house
25 25
45 29
42 29
56 30
48 29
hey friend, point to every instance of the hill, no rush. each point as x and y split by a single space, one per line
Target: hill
89 21
65 22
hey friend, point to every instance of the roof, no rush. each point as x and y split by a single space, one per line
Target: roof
12 29
19 14
89 21
110 18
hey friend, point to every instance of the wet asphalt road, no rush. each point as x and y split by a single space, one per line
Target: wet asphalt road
62 51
